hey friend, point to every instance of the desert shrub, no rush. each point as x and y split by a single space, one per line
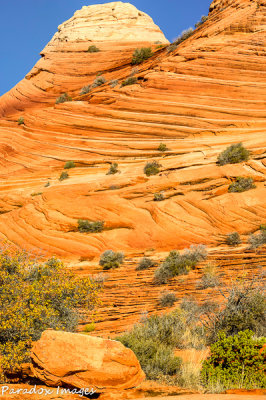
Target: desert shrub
152 168
145 263
141 55
129 81
163 333
236 362
167 299
36 194
158 197
257 240
64 175
86 89
100 80
184 35
113 169
111 259
89 327
69 164
90 226
244 309
209 278
203 19
162 147
233 239
241 185
63 98
234 154
113 83
35 296
93 49
171 47
263 227
179 264
21 121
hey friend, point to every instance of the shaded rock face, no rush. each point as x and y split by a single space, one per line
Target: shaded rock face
198 99
81 361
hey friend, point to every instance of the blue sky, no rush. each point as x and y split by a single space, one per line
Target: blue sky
27 25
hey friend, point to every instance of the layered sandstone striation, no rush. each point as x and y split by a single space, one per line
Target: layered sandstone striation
206 94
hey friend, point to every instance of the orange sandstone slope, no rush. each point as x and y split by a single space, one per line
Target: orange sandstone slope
205 95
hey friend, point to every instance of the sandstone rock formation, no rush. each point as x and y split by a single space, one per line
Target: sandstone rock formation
81 361
204 95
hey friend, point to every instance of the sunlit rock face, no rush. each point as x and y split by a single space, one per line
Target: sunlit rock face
198 99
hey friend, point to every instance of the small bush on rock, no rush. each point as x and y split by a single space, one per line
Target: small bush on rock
233 239
167 299
203 19
241 185
145 263
141 55
69 164
111 259
113 83
21 121
113 169
63 98
86 89
129 81
100 80
64 175
93 49
257 240
152 168
179 264
162 147
158 197
236 362
209 278
234 154
86 226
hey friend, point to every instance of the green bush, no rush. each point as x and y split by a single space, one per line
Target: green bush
111 259
209 278
129 81
86 89
113 83
141 55
179 264
233 239
64 175
86 226
234 154
89 327
21 121
113 169
63 98
153 341
258 240
167 299
93 49
100 80
69 164
245 309
145 263
241 185
203 19
158 197
236 362
152 168
35 296
162 147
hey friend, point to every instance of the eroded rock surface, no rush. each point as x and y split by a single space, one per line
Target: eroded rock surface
82 361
